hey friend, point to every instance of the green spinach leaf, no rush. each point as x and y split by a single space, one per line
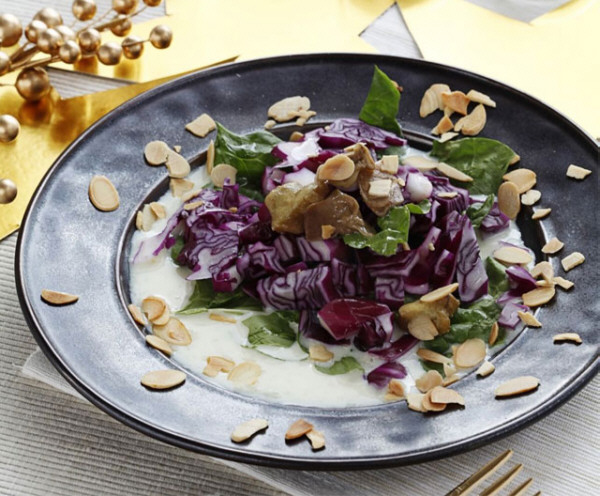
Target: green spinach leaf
477 211
273 329
381 106
204 298
423 207
341 366
176 248
497 280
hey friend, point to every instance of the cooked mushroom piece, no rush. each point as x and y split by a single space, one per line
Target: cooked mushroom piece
379 190
339 210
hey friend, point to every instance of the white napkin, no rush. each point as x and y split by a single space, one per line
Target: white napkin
522 10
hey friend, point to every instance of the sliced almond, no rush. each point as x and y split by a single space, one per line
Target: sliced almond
485 369
432 99
270 124
396 388
156 152
177 148
451 379
439 293
180 186
422 327
543 269
217 317
158 209
389 397
288 108
210 157
477 97
571 261
509 202
473 123
493 334
529 319
456 101
193 205
415 401
576 172
553 246
447 136
173 332
429 380
316 438
518 385
327 231
420 162
470 353
380 188
103 194
145 219
216 364
430 406
163 379
153 307
432 356
530 197
137 314
177 165
319 353
159 344
567 336
511 255
446 396
58 298
389 164
201 125
453 173
444 125
221 173
524 179
563 283
298 429
538 297
449 369
337 168
247 429
190 195
296 136
246 373
540 213
447 194
515 159
303 116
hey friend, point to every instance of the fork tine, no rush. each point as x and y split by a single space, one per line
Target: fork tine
539 493
502 481
519 491
466 486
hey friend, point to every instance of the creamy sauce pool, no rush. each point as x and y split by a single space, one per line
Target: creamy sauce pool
291 378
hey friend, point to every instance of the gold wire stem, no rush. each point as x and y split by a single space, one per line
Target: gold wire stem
35 63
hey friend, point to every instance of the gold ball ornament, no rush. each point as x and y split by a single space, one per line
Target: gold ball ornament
8 191
110 53
49 16
69 52
9 128
33 84
4 63
123 27
152 3
34 29
89 41
84 10
66 33
10 30
49 41
161 36
124 6
133 47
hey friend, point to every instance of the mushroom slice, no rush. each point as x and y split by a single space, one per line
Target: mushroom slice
380 191
576 172
524 179
201 125
509 202
103 194
477 97
456 101
567 336
337 168
473 123
247 429
470 353
518 385
177 165
173 332
443 126
432 99
163 379
156 152
246 373
288 108
298 429
180 186
58 298
571 261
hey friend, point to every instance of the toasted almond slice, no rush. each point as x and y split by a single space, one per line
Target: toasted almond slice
509 202
153 307
524 179
447 194
221 173
432 99
247 429
518 385
485 369
415 401
337 168
389 397
396 388
190 195
470 353
563 283
103 194
389 164
446 396
216 364
422 327
221 318
456 100
180 186
443 126
473 123
303 116
449 369
451 379
543 269
319 353
136 313
430 406
58 298
447 136
544 283
453 173
159 344
478 97
296 136
173 332
145 218
493 334
380 188
327 231
163 318
429 380
156 152
316 438
201 125
529 319
432 356
163 379
193 205
571 261
567 336
576 172
531 197
298 429
246 373
540 213
158 209
177 165
553 246
512 255
538 297
288 108
270 124
177 148
420 162
439 293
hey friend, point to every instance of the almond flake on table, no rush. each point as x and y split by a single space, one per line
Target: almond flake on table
571 261
576 172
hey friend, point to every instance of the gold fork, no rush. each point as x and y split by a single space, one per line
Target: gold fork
469 484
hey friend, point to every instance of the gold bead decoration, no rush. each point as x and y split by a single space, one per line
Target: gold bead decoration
110 53
10 30
161 36
89 41
34 29
69 52
152 3
124 6
9 128
8 191
66 33
84 10
49 16
4 63
133 47
49 41
33 84
123 27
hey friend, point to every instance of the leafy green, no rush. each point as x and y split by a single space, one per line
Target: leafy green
252 193
176 248
341 366
433 366
392 150
477 211
204 298
423 207
273 329
484 159
381 106
249 153
497 280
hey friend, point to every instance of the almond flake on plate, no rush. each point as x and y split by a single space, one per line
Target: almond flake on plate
485 369
419 162
512 255
396 388
443 126
58 298
201 125
216 364
538 297
530 197
470 353
439 293
493 334
571 261
509 201
288 108
431 406
316 438
432 356
429 380
529 319
447 194
524 179
415 402
180 186
456 101
432 99
270 124
177 165
447 136
137 314
473 123
540 213
159 344
247 429
443 395
298 429
576 172
221 173
478 97
173 332
319 353
158 209
518 385
246 373
103 195
217 317
567 336
543 269
563 283
553 246
453 173
163 379
156 152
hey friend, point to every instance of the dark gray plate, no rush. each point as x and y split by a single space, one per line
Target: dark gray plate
66 244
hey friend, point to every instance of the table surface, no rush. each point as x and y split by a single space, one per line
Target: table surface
51 443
